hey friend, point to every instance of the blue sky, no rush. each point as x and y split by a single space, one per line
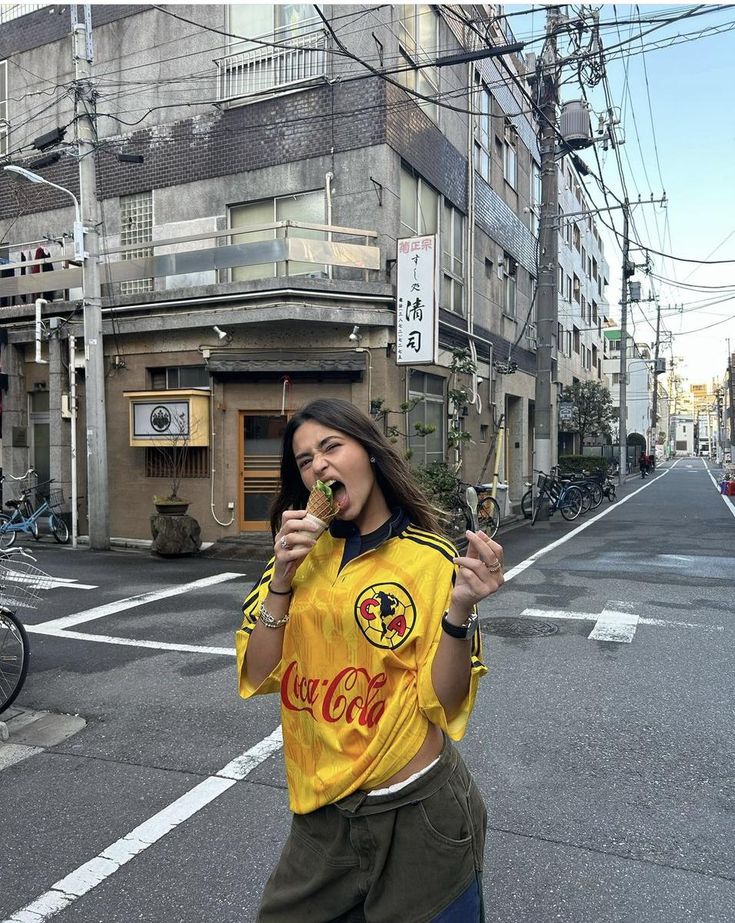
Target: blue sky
692 128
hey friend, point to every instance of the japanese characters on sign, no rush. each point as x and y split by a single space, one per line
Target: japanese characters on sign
416 312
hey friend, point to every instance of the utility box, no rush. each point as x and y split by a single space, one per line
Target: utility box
575 125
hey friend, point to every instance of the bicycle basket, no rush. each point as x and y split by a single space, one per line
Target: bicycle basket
56 499
22 585
541 481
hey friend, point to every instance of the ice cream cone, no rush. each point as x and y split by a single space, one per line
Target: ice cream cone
320 508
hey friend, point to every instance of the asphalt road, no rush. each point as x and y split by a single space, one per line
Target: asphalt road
602 738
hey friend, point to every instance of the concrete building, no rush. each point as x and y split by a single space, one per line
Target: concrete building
253 196
640 384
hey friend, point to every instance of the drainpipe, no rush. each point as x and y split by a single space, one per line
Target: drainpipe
328 190
40 305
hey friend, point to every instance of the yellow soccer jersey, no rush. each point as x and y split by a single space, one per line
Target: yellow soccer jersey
355 674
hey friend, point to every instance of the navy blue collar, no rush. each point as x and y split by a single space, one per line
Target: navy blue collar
356 544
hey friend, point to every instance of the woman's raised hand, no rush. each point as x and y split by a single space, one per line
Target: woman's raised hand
480 570
294 540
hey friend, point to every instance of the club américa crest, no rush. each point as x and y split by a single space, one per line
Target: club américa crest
386 614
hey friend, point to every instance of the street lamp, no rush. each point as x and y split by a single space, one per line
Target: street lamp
78 223
97 487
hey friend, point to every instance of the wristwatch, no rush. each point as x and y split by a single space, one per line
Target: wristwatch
463 632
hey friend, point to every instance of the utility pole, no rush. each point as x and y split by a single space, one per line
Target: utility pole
654 411
627 272
548 245
84 107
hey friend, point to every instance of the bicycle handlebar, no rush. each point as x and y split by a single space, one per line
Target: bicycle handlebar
21 478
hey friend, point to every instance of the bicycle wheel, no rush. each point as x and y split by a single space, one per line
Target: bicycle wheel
611 493
488 516
570 503
537 505
6 538
13 657
586 498
596 492
458 521
59 529
527 504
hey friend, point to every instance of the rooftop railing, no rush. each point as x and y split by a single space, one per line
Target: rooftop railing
243 254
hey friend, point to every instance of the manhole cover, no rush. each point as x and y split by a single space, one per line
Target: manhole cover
520 628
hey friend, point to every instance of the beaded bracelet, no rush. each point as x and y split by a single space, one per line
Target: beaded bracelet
267 619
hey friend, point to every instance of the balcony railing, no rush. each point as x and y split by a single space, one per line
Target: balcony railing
281 248
266 71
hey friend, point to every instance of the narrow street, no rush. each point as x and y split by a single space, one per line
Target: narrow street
602 736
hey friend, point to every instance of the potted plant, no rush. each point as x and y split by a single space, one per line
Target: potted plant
173 456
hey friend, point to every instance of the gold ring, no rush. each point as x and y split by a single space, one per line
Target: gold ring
284 543
494 567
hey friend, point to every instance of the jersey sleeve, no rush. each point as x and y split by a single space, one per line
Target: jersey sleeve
250 609
428 700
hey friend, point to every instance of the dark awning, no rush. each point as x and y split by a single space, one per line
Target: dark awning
273 364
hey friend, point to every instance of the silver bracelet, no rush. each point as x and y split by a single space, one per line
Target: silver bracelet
267 619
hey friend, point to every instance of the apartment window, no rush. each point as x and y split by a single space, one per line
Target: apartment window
577 237
568 343
418 36
577 289
136 227
583 308
427 391
483 156
419 206
307 207
561 282
420 214
510 156
616 378
452 240
535 196
179 376
250 69
594 357
584 259
569 289
575 338
595 317
510 272
4 124
561 225
568 232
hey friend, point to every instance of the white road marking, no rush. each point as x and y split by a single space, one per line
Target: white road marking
728 500
89 615
83 879
128 642
613 624
45 582
519 568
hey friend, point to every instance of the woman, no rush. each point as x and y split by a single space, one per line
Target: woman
369 633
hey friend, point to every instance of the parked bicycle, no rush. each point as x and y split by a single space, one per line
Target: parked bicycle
594 488
560 494
37 502
21 585
460 516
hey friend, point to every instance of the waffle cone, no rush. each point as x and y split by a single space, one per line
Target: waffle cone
319 507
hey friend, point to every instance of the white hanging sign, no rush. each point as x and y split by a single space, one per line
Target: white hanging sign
417 317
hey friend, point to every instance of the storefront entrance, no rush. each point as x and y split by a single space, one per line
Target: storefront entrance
260 453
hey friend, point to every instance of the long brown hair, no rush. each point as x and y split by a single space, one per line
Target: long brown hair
391 471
